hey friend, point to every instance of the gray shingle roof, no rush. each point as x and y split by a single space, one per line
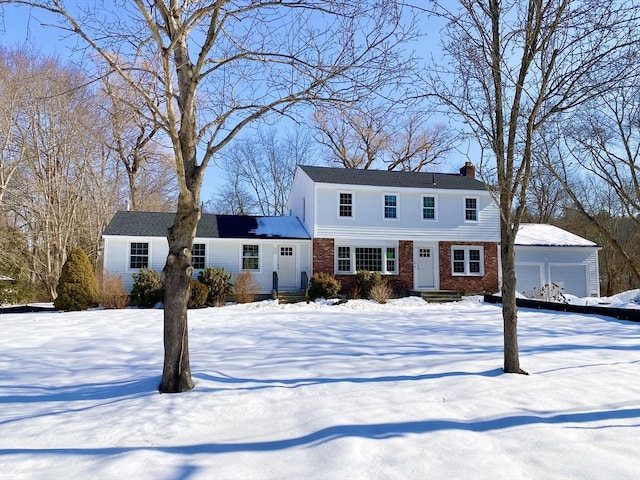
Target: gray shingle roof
156 224
385 178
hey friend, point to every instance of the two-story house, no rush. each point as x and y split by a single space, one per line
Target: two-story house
421 230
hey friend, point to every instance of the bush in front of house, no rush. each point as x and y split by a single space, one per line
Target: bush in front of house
323 285
218 283
113 294
198 293
380 292
245 287
77 287
147 288
366 281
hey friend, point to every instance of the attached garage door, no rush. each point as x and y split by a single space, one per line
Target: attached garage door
528 278
572 278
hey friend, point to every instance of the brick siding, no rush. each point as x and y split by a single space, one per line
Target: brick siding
488 283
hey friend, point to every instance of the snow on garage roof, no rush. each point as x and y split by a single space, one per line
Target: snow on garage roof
539 234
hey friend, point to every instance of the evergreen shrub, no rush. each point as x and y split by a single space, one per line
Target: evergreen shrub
366 280
198 293
323 285
147 288
77 287
218 283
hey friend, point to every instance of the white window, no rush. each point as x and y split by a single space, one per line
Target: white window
429 207
250 257
344 259
467 260
372 258
139 255
345 205
471 209
198 254
390 206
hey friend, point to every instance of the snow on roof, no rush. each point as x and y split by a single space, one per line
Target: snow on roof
538 234
285 227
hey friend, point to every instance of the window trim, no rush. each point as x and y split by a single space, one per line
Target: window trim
203 256
396 206
476 210
130 254
352 205
467 261
339 258
352 257
242 257
435 208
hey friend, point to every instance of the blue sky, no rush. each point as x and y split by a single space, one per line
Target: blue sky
24 27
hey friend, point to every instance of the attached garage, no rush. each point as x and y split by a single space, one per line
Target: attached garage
547 255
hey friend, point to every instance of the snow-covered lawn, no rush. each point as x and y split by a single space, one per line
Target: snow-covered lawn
407 390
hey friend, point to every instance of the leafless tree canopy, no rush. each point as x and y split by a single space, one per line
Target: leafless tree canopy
219 66
512 68
389 135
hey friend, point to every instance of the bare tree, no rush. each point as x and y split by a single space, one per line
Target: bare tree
135 144
514 67
389 135
259 172
54 136
219 67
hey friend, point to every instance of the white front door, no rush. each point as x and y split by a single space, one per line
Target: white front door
425 267
287 274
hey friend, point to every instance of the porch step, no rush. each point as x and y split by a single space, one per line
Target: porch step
438 296
295 296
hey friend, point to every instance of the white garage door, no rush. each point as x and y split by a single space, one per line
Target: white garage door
572 278
527 278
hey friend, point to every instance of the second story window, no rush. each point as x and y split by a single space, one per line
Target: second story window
428 208
139 257
471 209
390 206
198 255
345 208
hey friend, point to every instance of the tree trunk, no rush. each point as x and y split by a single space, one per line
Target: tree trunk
509 307
176 374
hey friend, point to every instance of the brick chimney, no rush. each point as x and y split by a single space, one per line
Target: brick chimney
468 170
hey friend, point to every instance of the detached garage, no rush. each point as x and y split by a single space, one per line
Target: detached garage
546 254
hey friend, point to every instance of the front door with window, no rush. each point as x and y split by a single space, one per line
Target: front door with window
287 274
425 267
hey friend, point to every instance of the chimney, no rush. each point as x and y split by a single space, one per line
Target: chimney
468 170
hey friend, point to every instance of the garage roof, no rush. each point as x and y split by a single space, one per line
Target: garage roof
541 235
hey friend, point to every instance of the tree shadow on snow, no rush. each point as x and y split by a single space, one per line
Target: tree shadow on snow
376 431
260 383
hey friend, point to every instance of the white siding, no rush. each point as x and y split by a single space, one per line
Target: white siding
302 200
368 220
220 253
563 264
